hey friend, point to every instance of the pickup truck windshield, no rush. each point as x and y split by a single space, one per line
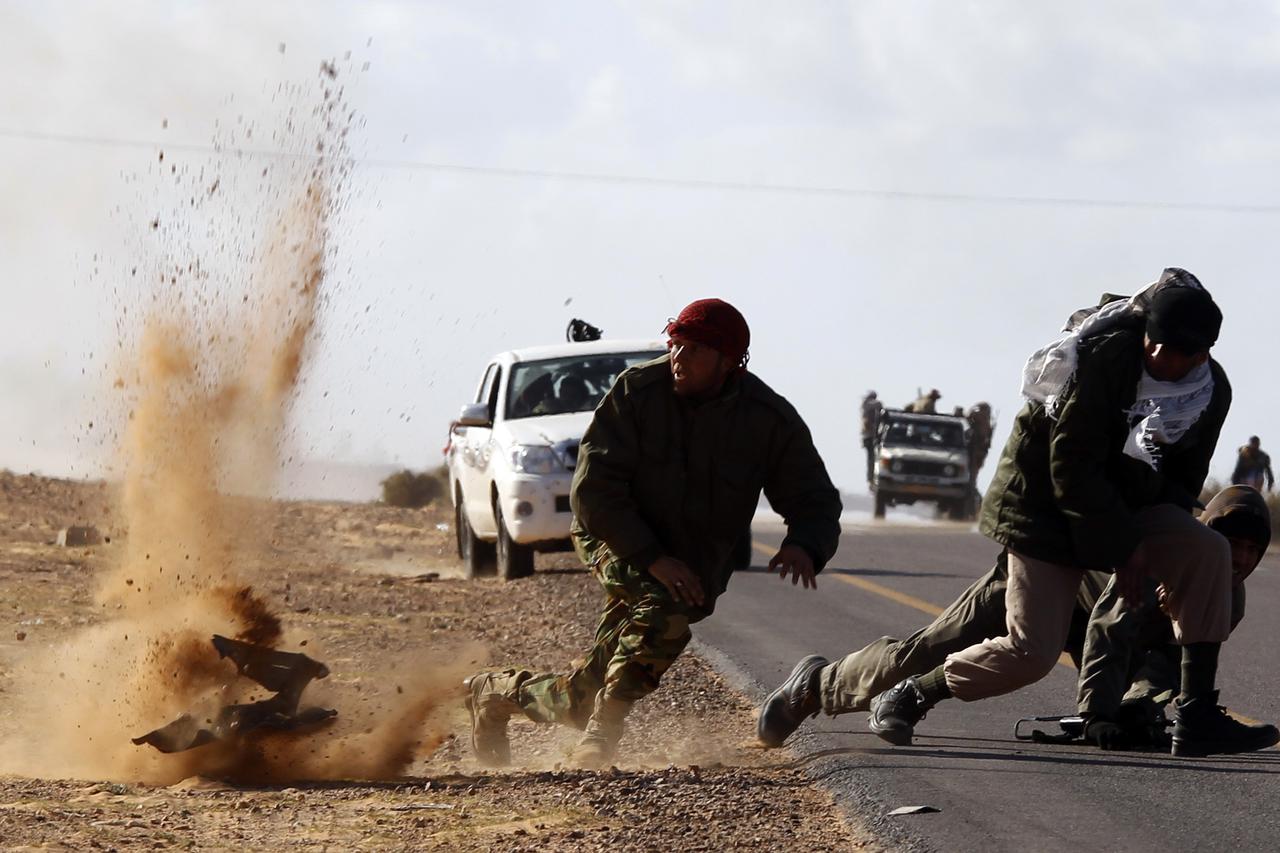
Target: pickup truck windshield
559 386
924 434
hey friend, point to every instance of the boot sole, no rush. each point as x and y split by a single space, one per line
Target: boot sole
1185 749
895 736
777 694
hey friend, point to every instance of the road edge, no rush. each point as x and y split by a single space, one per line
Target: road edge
862 811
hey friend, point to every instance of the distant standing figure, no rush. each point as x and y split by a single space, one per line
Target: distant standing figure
871 409
926 405
1252 465
980 430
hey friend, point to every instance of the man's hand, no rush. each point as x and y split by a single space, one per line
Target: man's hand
1162 600
1129 577
679 580
794 559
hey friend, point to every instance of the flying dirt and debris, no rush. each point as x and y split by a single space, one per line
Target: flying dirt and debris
207 378
285 674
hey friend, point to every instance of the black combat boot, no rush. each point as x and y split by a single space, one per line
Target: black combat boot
1202 727
895 712
795 699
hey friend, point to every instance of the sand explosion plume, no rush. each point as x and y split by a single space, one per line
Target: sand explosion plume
209 384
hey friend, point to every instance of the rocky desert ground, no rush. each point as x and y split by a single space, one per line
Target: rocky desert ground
376 594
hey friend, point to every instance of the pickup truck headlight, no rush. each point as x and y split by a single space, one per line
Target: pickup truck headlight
533 459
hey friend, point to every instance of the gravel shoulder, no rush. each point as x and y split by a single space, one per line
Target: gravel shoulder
375 593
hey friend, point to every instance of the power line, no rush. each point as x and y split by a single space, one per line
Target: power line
669 183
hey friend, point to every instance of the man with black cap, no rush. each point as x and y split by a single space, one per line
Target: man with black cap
1103 465
668 478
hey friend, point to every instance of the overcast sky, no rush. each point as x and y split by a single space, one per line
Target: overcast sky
898 195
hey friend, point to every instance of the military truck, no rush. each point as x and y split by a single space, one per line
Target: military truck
923 457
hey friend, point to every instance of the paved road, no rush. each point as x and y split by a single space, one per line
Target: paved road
995 793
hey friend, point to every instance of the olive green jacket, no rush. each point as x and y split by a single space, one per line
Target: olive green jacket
1064 490
659 476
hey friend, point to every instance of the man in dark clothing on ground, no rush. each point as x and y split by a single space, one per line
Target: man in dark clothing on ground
1252 466
1131 662
668 478
1100 472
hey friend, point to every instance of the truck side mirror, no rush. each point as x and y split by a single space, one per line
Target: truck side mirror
475 415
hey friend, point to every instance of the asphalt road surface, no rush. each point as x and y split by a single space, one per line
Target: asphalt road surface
992 791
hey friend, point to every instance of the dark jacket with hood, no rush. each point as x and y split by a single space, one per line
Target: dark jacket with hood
1132 648
1065 492
659 475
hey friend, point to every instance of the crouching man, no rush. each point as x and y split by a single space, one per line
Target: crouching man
669 475
1131 664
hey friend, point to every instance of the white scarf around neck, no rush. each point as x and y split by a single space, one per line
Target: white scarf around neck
1165 411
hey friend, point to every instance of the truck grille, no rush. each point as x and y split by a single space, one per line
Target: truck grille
920 468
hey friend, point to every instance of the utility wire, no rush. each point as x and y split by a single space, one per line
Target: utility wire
669 183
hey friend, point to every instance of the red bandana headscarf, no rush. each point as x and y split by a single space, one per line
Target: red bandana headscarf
716 324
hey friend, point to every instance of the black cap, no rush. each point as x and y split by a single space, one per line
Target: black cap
1185 318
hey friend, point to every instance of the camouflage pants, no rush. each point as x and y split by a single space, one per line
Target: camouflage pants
640 634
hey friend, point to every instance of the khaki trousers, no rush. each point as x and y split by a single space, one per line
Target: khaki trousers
1191 561
850 683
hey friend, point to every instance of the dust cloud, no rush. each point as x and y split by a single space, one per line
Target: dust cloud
208 372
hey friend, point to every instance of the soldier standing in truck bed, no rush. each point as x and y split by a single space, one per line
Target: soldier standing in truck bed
980 429
925 405
871 411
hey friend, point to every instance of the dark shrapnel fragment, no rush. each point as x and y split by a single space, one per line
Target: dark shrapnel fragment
286 674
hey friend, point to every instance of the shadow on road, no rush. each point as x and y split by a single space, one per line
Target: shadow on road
872 573
1255 764
892 573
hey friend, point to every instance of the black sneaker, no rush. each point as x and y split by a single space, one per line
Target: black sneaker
796 698
895 712
1202 727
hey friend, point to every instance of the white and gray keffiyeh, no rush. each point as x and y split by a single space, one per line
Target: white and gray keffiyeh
1164 410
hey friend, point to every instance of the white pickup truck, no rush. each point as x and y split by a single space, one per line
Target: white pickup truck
512 450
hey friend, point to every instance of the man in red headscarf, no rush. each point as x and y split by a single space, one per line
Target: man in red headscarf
669 475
